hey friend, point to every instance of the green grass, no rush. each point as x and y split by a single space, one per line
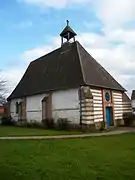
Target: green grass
99 158
22 131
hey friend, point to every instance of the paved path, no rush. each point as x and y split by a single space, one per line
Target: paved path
116 132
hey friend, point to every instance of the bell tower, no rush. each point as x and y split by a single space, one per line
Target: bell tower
67 33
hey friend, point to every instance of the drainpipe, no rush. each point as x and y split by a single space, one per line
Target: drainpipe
81 106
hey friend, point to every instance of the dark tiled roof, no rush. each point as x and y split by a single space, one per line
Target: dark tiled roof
67 67
67 29
59 69
94 73
125 98
133 95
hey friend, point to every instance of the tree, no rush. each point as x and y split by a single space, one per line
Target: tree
3 91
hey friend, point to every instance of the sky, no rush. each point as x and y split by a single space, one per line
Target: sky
31 28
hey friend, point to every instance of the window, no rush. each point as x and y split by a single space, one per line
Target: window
17 107
133 109
107 96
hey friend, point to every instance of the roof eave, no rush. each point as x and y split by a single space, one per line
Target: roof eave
41 92
106 87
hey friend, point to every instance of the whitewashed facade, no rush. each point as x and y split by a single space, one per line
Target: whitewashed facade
34 107
65 104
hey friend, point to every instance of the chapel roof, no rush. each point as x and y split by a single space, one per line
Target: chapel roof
69 66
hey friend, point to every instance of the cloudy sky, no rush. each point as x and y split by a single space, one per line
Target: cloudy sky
30 28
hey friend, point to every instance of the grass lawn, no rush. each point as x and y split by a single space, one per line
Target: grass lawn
99 158
22 131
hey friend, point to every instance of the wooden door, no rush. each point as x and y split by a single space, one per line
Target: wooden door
109 116
47 108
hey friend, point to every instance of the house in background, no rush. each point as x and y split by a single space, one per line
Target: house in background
1 110
68 83
133 101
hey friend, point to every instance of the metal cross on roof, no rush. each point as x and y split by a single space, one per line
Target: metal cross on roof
67 22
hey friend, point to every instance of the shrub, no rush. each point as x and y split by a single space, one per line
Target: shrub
75 127
32 124
27 124
128 118
63 124
48 123
7 120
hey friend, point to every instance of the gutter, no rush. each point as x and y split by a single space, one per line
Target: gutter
80 106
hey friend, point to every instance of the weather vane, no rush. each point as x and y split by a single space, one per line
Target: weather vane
67 22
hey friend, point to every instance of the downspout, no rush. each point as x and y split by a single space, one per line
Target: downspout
81 106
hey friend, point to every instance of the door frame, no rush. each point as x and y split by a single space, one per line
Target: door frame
47 107
111 115
110 104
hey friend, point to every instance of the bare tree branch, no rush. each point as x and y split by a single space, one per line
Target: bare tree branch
3 91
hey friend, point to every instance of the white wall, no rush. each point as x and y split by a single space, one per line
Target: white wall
65 104
34 107
97 102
